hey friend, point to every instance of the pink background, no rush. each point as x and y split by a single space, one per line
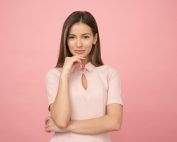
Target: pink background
138 37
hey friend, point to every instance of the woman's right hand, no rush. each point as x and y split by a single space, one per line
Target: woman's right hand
69 64
50 126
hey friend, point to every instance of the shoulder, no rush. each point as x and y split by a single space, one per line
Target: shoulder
108 69
53 73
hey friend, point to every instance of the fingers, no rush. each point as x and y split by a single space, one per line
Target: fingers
69 64
75 60
47 125
47 119
79 57
80 60
48 130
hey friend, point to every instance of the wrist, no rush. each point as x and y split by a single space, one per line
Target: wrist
61 130
64 77
70 127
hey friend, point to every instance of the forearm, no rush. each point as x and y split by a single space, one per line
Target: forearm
61 108
93 126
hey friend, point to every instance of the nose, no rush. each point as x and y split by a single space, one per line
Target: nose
79 43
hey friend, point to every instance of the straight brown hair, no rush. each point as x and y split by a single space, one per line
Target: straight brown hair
88 19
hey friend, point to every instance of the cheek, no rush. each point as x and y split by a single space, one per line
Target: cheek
88 44
71 44
88 49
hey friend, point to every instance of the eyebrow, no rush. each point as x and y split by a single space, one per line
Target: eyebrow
81 34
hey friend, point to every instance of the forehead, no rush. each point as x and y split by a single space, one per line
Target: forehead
79 28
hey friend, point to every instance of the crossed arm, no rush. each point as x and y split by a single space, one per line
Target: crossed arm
110 122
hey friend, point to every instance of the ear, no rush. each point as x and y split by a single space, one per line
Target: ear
95 39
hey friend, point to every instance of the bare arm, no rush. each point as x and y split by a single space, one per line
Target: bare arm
61 108
110 122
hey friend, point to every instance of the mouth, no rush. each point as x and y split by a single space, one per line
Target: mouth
79 51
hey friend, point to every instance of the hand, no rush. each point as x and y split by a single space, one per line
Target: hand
70 62
50 126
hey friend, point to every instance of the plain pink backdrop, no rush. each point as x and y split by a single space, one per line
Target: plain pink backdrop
138 37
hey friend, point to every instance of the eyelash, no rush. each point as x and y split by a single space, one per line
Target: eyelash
71 37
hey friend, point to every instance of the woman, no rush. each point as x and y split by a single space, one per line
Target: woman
84 95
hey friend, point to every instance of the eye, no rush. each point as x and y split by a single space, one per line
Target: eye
86 36
71 37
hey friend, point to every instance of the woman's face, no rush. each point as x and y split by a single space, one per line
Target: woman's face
81 39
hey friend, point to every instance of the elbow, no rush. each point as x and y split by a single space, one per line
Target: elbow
117 127
60 123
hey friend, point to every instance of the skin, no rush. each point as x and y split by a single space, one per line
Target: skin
80 38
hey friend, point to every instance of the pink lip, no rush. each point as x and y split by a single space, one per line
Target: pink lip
79 51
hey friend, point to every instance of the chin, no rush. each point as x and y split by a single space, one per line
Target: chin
80 55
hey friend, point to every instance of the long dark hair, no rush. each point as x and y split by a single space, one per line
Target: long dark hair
86 18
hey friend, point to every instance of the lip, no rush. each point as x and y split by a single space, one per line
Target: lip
79 51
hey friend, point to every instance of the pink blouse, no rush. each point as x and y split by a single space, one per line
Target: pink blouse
104 87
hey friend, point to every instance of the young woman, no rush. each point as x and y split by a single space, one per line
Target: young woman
84 95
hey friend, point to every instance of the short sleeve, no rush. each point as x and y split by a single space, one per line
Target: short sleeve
114 88
52 82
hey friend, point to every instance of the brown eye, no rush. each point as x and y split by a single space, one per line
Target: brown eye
70 37
86 36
